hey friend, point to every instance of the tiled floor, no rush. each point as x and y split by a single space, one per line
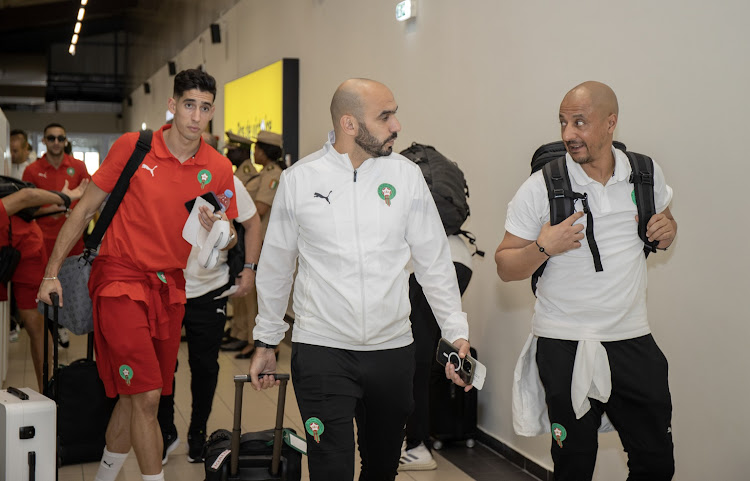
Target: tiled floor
455 463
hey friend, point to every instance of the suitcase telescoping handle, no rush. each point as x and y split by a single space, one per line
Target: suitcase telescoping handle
55 298
239 384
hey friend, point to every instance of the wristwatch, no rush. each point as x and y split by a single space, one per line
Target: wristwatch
251 265
259 343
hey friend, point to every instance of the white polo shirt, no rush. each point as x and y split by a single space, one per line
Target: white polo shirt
200 281
575 302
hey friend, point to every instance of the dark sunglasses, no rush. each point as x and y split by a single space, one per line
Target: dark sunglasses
60 138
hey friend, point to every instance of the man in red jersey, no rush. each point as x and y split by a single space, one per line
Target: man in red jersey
137 284
50 172
27 238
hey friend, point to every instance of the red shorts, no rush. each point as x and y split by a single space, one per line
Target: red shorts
27 238
132 361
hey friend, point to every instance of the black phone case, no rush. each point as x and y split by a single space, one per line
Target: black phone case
445 347
210 197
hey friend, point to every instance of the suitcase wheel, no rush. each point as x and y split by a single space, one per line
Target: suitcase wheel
437 445
470 443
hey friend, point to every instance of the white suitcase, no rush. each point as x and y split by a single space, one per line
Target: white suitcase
28 429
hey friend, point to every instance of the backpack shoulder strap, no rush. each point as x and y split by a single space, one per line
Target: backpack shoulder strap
561 201
559 191
562 205
142 147
642 179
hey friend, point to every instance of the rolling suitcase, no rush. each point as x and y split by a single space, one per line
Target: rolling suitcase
275 454
83 407
453 412
27 436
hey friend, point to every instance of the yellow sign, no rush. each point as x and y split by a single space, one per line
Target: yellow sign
254 102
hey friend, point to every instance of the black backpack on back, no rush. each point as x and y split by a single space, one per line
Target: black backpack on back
550 158
448 187
446 182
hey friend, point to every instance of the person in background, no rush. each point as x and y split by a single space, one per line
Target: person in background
205 316
19 153
262 188
27 238
416 455
51 172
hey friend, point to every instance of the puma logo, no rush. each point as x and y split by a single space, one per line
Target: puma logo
324 196
109 465
150 169
43 174
221 311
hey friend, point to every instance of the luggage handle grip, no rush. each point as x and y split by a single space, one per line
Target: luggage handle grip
246 377
234 459
18 393
55 298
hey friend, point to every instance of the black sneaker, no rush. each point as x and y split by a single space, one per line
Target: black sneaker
196 440
171 441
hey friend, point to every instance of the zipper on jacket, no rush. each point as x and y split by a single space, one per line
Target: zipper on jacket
361 262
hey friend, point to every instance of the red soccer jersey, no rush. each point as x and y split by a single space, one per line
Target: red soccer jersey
147 228
42 174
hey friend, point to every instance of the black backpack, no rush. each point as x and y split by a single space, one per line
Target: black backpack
448 187
236 255
550 158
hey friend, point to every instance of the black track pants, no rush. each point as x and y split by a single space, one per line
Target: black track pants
426 333
335 386
639 407
204 327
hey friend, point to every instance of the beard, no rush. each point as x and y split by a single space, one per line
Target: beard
371 144
581 158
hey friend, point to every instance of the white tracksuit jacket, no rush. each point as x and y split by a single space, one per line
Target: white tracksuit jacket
353 233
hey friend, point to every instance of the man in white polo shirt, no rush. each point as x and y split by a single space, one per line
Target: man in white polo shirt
591 340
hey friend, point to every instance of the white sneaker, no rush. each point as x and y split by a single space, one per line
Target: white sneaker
13 337
417 459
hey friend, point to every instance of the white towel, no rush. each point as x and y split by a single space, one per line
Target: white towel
591 378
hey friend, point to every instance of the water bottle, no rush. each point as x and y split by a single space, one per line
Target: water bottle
224 199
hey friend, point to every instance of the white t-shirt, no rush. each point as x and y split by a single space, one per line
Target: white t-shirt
574 301
199 281
16 170
460 252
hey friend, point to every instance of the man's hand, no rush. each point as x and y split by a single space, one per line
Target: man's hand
207 219
450 370
661 228
560 238
76 193
263 361
46 288
244 282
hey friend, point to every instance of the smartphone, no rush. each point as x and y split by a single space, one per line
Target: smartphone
209 197
469 369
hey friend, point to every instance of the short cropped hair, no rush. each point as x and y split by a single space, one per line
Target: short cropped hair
273 152
52 125
20 132
193 79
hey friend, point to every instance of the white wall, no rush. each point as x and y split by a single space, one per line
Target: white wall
482 81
